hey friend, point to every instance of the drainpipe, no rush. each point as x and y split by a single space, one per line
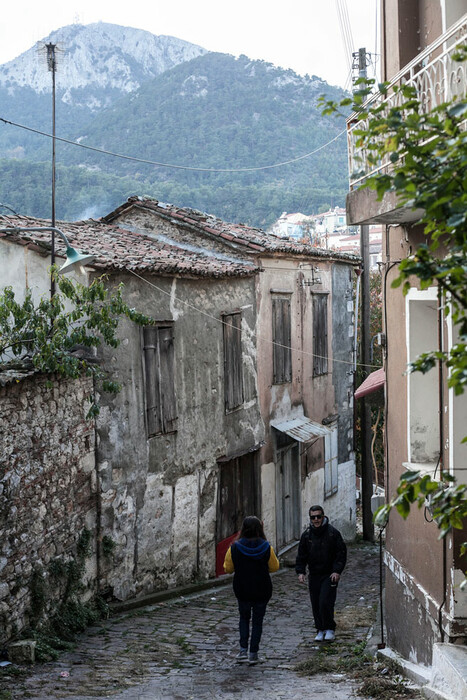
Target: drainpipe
441 446
357 301
98 502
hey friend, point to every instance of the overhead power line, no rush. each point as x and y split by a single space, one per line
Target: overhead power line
189 305
346 31
172 165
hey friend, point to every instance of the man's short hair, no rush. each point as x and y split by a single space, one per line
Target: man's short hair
320 508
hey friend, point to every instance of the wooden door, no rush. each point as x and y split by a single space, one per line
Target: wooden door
287 495
237 499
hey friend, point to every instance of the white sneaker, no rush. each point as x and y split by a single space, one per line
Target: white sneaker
329 636
320 636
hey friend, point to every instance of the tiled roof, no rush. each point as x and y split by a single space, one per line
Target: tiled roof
250 239
118 249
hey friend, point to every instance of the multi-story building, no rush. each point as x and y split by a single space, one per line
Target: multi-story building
425 609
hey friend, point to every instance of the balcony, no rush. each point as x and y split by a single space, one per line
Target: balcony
437 78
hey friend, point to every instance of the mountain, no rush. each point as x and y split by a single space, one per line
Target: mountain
204 113
96 65
93 59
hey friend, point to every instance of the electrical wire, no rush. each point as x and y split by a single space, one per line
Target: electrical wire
218 320
172 165
346 31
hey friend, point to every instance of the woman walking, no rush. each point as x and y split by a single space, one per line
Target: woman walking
251 557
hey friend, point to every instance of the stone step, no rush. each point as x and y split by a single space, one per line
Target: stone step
449 673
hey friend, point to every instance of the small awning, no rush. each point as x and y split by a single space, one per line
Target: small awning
372 383
301 429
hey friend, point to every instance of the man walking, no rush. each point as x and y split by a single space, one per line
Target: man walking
323 550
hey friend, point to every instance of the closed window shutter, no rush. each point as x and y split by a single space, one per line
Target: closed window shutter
161 405
151 367
167 384
233 361
320 334
282 353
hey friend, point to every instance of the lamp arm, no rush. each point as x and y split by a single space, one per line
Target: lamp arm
12 229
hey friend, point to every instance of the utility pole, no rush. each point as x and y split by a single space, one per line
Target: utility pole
360 65
52 66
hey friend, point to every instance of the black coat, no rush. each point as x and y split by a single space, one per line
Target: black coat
321 549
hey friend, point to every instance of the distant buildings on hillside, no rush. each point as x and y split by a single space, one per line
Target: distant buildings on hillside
328 230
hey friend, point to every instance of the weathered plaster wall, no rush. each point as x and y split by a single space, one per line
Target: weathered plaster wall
47 487
26 268
313 395
342 356
316 397
340 508
268 500
413 542
410 628
160 494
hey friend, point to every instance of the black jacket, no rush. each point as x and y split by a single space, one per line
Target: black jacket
321 549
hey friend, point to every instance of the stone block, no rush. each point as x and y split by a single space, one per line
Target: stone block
23 652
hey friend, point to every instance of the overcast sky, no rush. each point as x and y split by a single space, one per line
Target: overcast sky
304 35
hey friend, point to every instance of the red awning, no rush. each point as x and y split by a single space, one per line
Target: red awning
372 383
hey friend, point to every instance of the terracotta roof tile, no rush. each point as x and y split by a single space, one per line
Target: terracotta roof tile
119 249
252 239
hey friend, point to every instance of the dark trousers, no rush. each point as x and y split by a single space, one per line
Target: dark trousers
246 608
323 597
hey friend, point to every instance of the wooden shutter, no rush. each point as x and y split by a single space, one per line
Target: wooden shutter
281 335
159 379
167 380
151 368
233 361
320 334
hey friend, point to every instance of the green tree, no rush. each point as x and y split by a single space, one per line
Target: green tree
48 334
427 151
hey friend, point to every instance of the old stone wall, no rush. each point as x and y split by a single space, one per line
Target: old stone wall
47 492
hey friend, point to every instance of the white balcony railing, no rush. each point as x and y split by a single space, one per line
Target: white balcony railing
437 79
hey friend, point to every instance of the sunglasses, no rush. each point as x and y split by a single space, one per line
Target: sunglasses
315 517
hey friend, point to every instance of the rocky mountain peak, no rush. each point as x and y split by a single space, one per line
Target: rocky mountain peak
100 55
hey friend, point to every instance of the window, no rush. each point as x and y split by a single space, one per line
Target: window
161 411
320 334
422 389
233 361
282 352
330 463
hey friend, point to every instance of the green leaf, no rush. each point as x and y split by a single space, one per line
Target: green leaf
458 110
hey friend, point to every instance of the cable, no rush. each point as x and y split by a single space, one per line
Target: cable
346 31
171 165
218 320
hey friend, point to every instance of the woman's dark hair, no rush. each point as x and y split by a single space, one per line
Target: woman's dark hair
252 527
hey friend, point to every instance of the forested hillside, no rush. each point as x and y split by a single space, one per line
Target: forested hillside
214 112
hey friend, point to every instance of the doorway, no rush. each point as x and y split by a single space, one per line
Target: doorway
237 499
287 491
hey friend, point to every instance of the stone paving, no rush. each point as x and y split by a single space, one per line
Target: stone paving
185 648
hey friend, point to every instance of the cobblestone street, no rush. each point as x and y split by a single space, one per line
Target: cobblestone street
185 647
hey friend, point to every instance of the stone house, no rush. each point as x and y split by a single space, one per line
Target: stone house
305 349
425 609
188 404
237 400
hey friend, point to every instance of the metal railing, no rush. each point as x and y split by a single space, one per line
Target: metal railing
437 78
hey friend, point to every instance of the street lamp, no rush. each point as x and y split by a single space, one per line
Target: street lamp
74 259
